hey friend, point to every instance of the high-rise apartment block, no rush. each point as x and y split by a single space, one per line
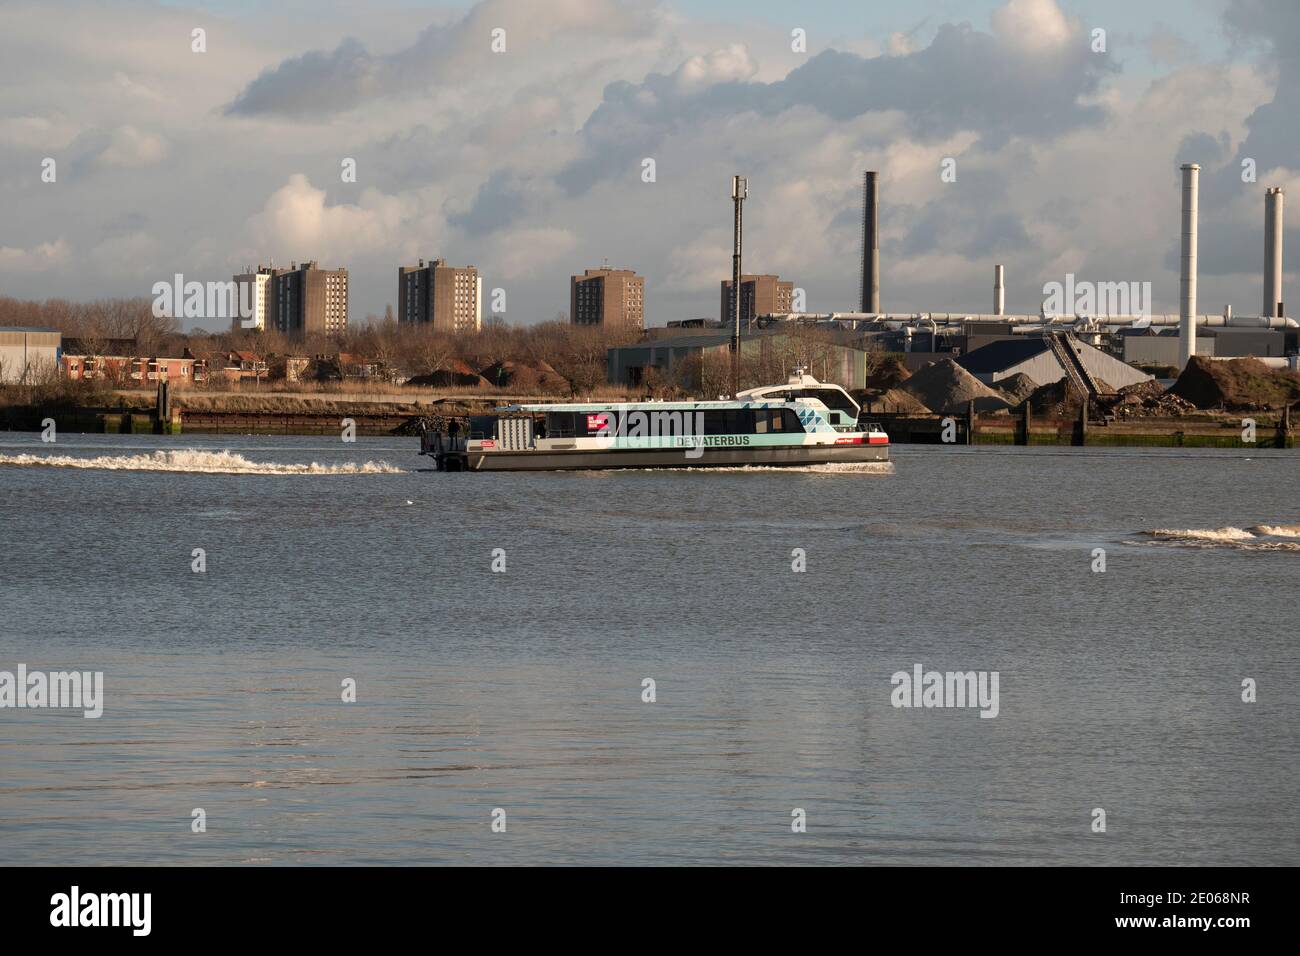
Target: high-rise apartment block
306 299
252 288
759 295
614 298
449 298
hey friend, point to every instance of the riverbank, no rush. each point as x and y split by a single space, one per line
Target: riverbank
401 412
133 412
242 414
1202 430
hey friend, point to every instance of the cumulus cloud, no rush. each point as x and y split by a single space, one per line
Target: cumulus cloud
527 164
326 82
297 219
900 44
1169 48
133 149
964 80
38 258
500 201
731 64
36 132
1034 26
526 253
136 89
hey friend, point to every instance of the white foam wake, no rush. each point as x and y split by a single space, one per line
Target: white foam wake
1202 534
1256 538
199 462
1278 530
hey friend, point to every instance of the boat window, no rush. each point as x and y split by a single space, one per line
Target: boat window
783 420
831 398
563 425
482 426
729 421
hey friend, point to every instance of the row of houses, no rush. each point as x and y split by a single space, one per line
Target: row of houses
117 360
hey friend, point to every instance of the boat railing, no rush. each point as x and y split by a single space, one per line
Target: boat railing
437 444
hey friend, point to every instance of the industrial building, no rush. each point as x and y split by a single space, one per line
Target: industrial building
843 361
1049 358
1151 347
759 295
28 353
447 298
611 298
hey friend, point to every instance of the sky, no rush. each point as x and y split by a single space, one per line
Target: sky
531 163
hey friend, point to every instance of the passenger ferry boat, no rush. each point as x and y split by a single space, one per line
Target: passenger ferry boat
803 422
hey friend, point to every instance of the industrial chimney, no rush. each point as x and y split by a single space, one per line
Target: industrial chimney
1187 276
870 245
999 293
1273 200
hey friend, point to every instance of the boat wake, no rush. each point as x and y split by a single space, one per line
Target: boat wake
1260 537
1278 530
198 462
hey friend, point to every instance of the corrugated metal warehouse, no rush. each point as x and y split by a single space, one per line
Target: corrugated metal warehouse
28 352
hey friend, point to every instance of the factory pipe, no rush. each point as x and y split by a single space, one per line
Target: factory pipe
1273 210
870 299
999 292
1187 275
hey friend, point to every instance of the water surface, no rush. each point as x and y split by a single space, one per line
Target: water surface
522 690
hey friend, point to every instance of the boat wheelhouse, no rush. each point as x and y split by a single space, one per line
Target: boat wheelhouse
803 422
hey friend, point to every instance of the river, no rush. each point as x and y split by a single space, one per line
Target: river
519 694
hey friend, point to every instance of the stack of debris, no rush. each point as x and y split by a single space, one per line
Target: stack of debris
532 378
456 374
1236 385
1055 400
1147 400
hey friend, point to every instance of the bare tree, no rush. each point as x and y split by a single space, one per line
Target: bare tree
429 352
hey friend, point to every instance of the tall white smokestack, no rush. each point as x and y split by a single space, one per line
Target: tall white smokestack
999 293
1187 278
1272 250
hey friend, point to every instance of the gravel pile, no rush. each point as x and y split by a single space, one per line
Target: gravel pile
897 401
1016 388
947 388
